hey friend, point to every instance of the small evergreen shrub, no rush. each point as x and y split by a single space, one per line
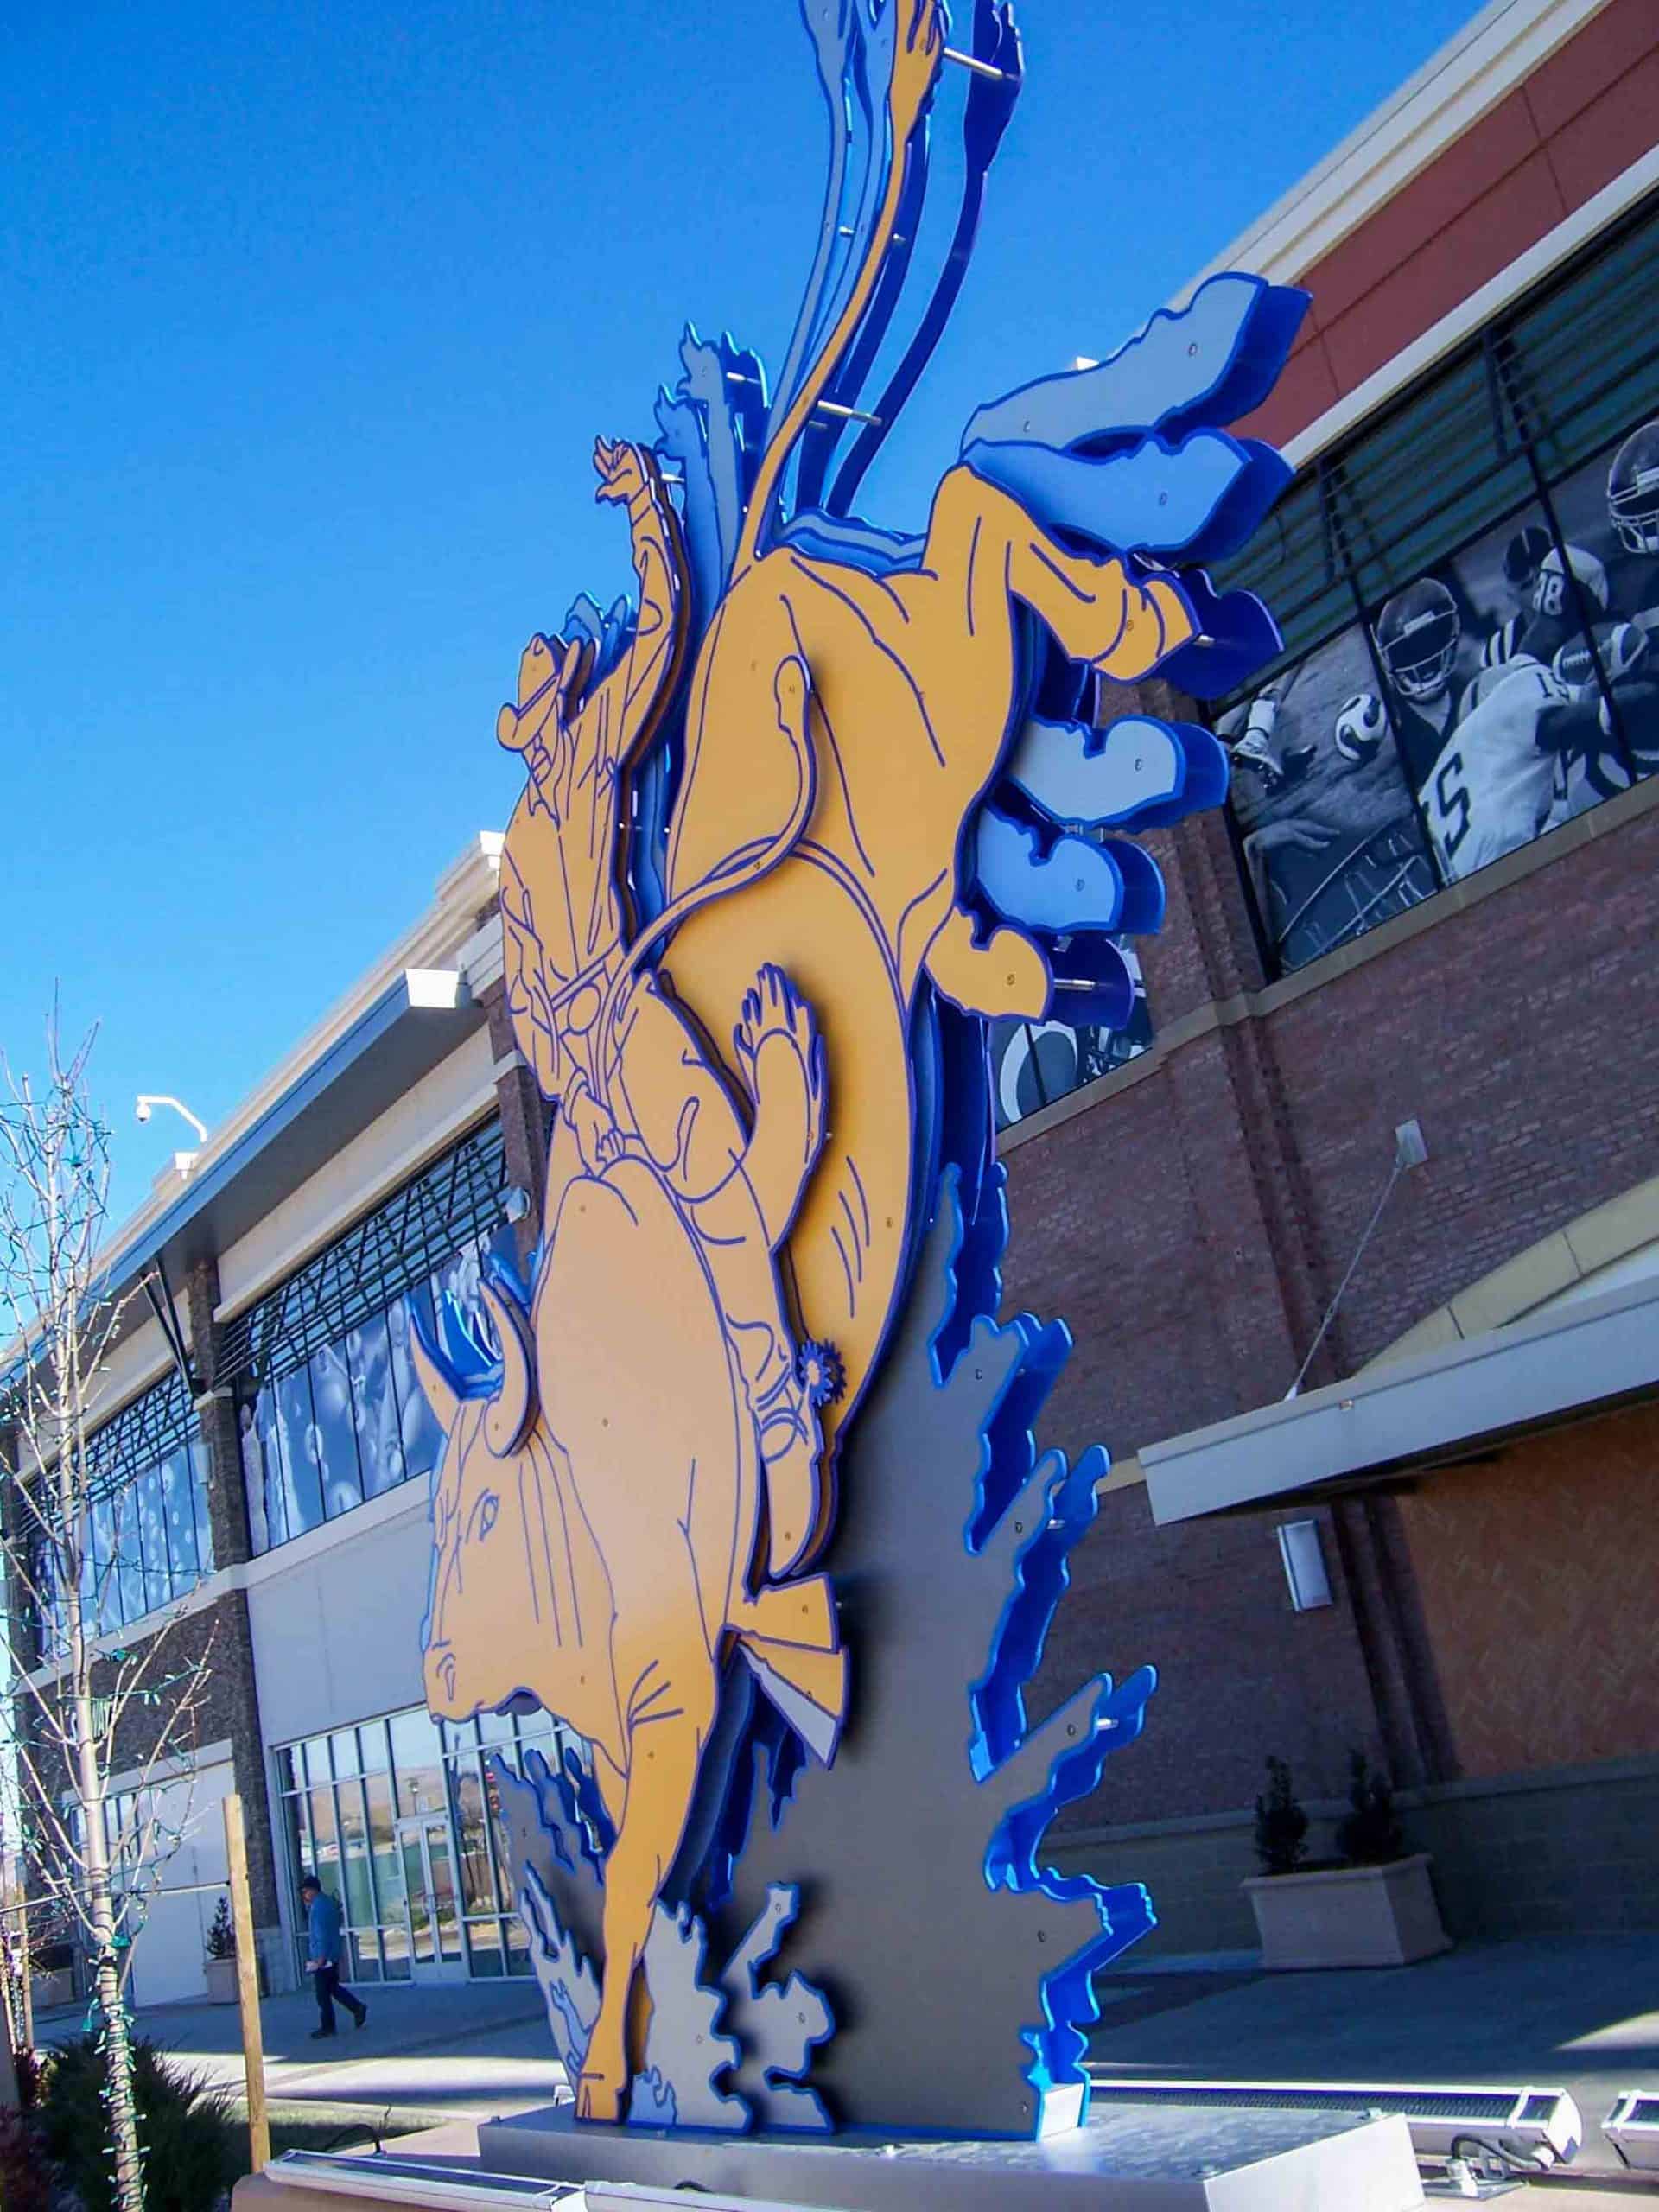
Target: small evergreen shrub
1370 1833
191 2144
221 1935
1280 1823
25 2178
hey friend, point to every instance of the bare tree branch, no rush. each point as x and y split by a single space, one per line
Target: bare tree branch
75 1686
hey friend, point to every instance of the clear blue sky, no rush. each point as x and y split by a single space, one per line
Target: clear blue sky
311 315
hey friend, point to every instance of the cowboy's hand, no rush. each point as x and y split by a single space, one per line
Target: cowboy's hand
597 1141
918 55
624 474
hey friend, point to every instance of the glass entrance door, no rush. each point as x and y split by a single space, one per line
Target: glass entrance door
427 1855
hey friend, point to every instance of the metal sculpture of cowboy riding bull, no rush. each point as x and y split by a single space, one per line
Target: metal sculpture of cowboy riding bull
636 1489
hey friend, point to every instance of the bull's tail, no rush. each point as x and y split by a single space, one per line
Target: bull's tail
816 383
790 1638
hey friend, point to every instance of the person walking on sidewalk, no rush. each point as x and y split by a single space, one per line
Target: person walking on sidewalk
325 1947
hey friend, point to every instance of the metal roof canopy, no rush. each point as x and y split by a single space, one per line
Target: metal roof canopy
417 1022
1588 1355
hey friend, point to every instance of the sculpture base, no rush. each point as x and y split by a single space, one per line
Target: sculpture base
1132 2159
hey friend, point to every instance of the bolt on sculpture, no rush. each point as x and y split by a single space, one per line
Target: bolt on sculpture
745 1491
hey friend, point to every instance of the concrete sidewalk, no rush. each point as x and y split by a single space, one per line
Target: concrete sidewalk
1580 2014
468 2050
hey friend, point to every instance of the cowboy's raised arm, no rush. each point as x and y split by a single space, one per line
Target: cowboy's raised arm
643 680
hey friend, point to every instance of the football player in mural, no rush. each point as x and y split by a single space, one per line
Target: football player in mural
1428 658
1248 733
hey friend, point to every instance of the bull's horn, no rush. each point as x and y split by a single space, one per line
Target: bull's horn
441 1393
507 1415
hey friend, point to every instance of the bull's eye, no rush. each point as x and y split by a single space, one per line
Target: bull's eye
484 1515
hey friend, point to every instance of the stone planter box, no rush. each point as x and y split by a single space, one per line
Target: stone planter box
54 1989
221 1981
1348 1916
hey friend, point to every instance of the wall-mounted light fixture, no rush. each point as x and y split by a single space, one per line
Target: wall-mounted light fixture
147 1101
1304 1558
515 1202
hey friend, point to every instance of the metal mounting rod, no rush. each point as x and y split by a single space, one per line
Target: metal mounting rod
979 68
846 413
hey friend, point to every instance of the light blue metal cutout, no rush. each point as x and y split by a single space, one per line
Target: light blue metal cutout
1200 499
1075 772
1071 885
1208 364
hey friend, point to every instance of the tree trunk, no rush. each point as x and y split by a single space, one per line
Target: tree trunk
117 2044
8 2069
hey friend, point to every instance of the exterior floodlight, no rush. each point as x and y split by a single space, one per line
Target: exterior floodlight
151 1099
1540 2128
1632 2128
1304 1568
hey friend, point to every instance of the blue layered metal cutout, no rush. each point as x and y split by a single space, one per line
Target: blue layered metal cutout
1201 366
1062 1504
1065 882
1198 501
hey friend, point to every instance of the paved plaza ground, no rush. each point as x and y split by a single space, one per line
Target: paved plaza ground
1579 2014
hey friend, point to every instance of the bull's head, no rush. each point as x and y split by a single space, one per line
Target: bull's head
481 1559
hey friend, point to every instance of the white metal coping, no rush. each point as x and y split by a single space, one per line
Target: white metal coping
1560 1362
387 2179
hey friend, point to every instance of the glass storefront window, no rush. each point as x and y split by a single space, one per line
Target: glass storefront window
326 1426
128 1575
418 1760
301 1453
374 1407
178 1506
325 1843
261 1470
421 1437
517 1945
145 1541
359 1899
202 1514
436 1783
152 1538
484 1948
340 1478
478 1891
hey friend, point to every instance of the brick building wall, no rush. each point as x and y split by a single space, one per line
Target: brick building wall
1191 1216
1537 1572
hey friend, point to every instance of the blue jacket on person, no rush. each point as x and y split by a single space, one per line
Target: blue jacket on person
322 1927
